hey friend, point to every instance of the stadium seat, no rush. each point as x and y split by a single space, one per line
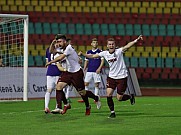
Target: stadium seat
151 62
172 75
142 62
134 62
177 62
169 62
159 62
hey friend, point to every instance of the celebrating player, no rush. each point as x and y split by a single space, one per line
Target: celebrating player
74 76
117 74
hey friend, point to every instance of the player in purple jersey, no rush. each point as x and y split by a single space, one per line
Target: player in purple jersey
117 78
52 73
74 75
93 67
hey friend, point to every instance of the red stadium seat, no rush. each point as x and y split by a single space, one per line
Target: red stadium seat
154 75
166 70
173 75
164 76
157 70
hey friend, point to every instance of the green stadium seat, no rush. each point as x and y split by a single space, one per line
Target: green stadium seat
104 26
88 26
129 27
120 26
13 60
31 28
96 32
112 26
127 62
13 27
46 28
151 62
121 32
129 32
177 62
170 27
62 26
79 26
159 62
38 28
134 62
39 61
113 32
162 32
142 62
4 28
54 28
169 62
170 32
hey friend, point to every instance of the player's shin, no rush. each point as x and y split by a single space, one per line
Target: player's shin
110 103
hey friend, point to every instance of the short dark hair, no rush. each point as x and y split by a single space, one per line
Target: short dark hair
60 36
68 39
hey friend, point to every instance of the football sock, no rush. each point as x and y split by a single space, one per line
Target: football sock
86 100
110 103
62 94
86 87
58 99
125 97
47 99
96 92
91 95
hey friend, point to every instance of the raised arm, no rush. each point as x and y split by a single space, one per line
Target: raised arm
89 55
130 44
59 58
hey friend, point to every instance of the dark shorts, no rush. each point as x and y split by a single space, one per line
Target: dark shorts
120 84
76 79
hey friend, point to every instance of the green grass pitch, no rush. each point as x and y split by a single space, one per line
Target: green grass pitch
149 116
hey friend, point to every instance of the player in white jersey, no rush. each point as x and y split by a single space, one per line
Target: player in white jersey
117 77
74 75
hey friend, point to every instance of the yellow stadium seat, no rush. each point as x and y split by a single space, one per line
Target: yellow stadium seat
171 54
66 3
153 4
19 2
165 49
177 4
42 3
142 9
42 52
154 54
158 10
88 47
102 9
148 49
164 54
90 3
132 49
3 2
70 9
175 10
38 8
82 3
5 8
39 47
174 49
82 48
129 4
94 9
30 8
14 8
10 2
86 9
166 10
121 4
126 9
34 3
22 8
137 4
31 47
128 54
78 9
110 9
97 3
150 10
145 54
113 4
58 3
50 3
34 53
169 4
140 49
105 3
74 3
145 4
46 46
26 2
156 49
62 9
178 55
136 54
134 10
46 8
118 9
161 4
54 8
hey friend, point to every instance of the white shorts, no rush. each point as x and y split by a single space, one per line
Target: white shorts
92 75
52 81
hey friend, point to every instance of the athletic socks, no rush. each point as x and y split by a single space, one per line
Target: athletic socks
47 99
91 95
86 100
125 97
96 91
110 103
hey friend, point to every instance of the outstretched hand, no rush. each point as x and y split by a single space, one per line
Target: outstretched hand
140 38
80 53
